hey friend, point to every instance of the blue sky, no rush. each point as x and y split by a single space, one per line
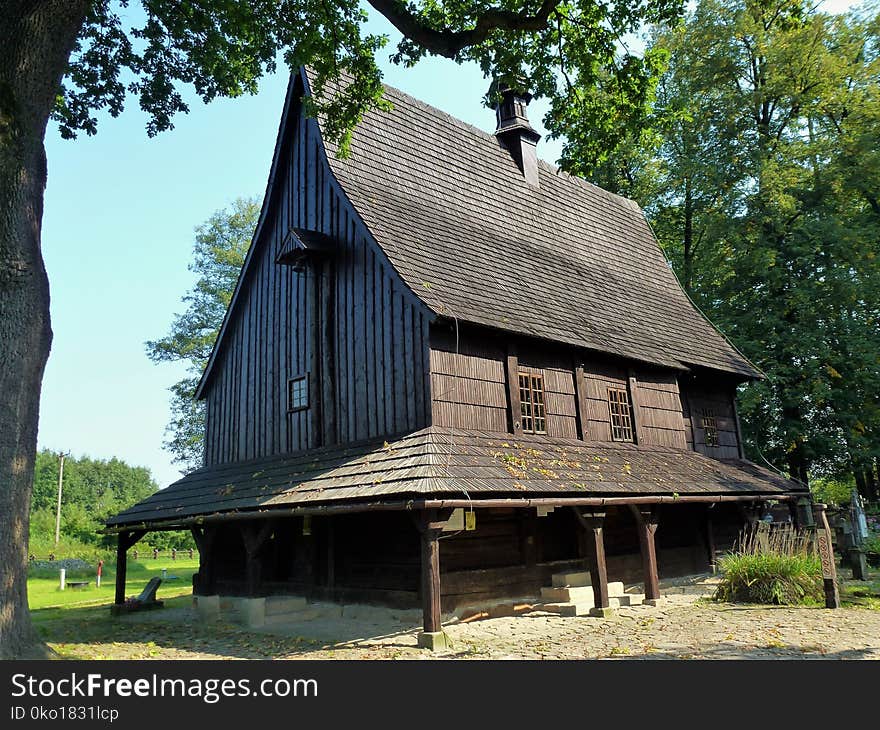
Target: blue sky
120 210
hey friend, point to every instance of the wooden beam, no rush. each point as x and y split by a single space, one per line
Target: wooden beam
580 391
646 521
514 420
123 542
420 504
638 428
593 523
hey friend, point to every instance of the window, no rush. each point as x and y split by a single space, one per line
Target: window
710 427
298 393
621 419
531 402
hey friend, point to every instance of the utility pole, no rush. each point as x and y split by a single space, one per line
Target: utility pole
58 509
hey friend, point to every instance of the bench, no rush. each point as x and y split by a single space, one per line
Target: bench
144 602
77 584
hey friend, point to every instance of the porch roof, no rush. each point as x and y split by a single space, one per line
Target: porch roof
456 464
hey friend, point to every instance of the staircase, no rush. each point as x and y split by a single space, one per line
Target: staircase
571 594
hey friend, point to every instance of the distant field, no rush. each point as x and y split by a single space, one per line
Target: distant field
43 590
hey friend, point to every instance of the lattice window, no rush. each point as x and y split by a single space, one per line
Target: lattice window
298 393
621 417
531 401
710 427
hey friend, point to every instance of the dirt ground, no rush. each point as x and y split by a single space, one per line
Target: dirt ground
682 628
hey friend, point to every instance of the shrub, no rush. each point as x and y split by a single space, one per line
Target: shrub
779 567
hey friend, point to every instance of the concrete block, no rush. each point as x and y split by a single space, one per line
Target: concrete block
602 612
560 580
253 612
654 602
433 640
208 608
284 604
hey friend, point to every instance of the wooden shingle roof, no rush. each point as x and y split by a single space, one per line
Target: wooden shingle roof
442 462
568 261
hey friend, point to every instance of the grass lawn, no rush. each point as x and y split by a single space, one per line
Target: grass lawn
43 590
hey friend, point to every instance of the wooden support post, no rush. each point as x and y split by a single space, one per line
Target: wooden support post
593 524
647 521
514 424
331 556
254 538
710 538
123 542
429 525
121 566
529 543
204 539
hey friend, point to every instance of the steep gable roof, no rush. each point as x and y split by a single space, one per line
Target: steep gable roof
568 261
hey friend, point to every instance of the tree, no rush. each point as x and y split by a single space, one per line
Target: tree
70 59
94 489
220 248
762 183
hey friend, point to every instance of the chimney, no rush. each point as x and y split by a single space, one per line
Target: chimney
514 130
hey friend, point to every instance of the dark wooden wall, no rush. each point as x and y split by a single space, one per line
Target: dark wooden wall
699 395
350 323
469 390
659 410
468 385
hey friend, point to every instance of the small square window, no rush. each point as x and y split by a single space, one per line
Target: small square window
710 427
298 393
531 403
621 417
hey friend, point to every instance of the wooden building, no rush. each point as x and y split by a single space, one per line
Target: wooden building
450 371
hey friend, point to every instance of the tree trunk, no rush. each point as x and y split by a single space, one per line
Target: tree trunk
36 39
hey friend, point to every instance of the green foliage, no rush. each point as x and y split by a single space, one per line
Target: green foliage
221 244
93 490
770 578
761 181
833 491
572 52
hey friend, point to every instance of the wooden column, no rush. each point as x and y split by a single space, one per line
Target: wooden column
514 422
646 520
739 438
710 538
331 556
593 523
254 536
204 539
124 540
583 417
429 524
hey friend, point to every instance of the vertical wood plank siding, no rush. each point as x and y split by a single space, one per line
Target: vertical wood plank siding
349 322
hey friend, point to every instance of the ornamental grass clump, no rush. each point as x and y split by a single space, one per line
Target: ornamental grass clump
776 566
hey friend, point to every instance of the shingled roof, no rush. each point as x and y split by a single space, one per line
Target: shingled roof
437 462
567 261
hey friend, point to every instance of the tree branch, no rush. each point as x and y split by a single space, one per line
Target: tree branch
450 43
